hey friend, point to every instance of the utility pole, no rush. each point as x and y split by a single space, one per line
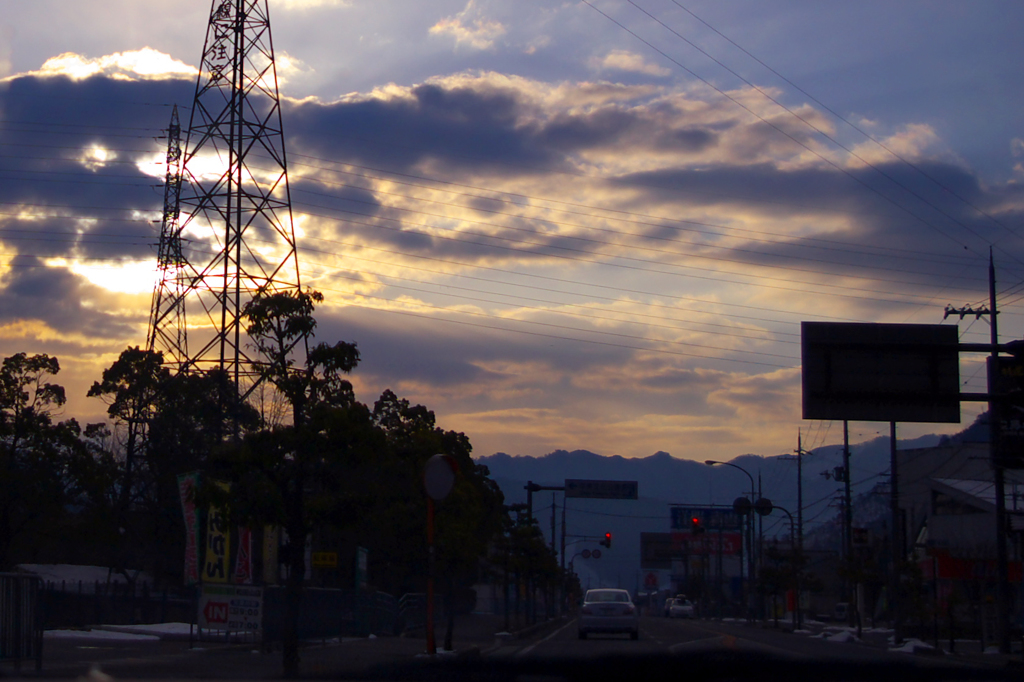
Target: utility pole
799 520
848 518
994 415
554 508
895 538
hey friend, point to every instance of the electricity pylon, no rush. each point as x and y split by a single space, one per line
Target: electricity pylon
234 236
167 313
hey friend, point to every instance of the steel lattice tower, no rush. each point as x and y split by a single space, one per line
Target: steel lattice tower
234 236
167 314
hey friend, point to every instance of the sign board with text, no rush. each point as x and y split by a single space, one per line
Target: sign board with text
236 608
324 559
711 518
601 490
1006 380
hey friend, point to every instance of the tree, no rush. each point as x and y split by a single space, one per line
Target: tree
131 387
50 470
285 475
466 521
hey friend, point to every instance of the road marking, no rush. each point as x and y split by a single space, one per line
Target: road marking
734 643
533 646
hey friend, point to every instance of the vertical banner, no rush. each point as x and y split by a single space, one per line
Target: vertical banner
187 484
243 562
218 547
362 568
271 541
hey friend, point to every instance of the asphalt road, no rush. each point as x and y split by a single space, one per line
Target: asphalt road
713 650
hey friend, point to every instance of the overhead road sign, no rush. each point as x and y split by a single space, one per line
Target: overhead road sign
880 372
709 518
601 490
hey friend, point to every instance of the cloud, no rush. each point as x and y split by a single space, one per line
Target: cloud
623 60
469 27
146 64
312 4
589 263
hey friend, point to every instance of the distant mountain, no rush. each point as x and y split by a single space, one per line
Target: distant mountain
664 480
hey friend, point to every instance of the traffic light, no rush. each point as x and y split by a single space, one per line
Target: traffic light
607 542
696 527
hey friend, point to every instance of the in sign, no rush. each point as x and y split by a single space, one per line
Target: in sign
216 612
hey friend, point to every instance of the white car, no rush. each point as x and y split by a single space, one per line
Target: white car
608 610
681 608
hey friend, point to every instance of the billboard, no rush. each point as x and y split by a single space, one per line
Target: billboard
230 607
880 372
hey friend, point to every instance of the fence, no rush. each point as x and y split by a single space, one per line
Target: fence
331 613
21 627
82 603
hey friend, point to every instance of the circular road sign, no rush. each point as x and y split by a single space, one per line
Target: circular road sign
742 506
585 554
596 554
763 506
439 476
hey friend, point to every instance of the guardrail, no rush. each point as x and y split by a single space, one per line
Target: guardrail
21 627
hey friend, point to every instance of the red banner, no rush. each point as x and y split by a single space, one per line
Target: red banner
186 489
243 561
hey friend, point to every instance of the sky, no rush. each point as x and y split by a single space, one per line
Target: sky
581 225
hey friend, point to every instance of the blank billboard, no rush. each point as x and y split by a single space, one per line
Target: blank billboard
881 372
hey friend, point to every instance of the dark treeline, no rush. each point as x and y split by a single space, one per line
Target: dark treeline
312 459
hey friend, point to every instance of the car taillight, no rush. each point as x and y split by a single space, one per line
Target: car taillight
587 610
630 609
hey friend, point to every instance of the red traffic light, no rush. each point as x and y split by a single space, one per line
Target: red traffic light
695 526
607 542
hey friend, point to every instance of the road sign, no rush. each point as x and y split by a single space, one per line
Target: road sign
651 580
602 490
709 518
596 554
585 554
439 476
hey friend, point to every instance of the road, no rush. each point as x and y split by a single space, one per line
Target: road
727 650
713 650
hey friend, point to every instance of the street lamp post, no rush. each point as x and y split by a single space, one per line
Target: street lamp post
750 527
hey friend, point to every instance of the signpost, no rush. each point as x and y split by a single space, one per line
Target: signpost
438 480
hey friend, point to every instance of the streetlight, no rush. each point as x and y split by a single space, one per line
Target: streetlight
750 525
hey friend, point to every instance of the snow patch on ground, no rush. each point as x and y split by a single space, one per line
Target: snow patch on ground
157 629
842 636
911 646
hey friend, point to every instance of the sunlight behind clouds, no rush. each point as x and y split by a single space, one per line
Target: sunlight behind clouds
147 64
